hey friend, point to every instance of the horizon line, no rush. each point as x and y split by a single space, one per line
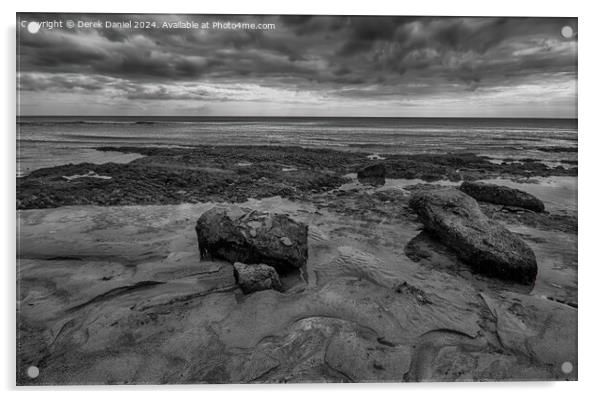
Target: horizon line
293 116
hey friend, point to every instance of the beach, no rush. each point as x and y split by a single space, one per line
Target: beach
296 199
112 289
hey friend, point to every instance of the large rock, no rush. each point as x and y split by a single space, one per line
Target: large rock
457 221
372 174
253 278
502 195
241 235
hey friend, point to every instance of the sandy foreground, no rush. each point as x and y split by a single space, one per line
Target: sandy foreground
119 295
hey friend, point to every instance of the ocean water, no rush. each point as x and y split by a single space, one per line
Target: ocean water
49 141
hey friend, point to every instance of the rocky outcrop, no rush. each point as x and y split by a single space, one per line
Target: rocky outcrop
253 278
502 195
242 235
456 220
372 174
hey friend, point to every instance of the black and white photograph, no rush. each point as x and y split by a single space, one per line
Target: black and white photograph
242 199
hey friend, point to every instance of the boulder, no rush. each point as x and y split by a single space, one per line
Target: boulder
372 174
502 195
456 220
242 235
253 278
373 170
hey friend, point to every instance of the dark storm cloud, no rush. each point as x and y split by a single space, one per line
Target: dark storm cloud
114 35
161 54
385 44
364 32
465 49
322 54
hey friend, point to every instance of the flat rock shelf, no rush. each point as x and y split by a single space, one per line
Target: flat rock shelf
112 288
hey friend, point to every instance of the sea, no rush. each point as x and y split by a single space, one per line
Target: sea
44 141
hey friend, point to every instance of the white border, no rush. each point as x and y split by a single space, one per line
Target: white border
590 131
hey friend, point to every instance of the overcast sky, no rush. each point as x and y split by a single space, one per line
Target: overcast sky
306 66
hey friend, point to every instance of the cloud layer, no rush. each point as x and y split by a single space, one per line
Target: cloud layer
307 65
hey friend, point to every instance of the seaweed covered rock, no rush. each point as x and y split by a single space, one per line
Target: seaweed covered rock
502 195
372 174
241 235
456 220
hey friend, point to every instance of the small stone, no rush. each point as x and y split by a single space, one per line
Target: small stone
286 241
253 278
377 365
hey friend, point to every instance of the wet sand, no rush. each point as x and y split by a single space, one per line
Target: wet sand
64 155
117 294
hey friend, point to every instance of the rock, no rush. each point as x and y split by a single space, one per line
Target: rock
457 221
502 195
372 174
241 235
373 170
253 278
